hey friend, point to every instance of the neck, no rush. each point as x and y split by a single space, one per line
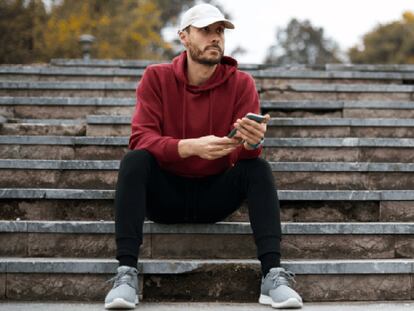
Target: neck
198 73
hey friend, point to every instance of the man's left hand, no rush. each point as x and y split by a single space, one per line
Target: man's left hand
250 131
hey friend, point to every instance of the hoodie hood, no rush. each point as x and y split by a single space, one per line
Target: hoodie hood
226 68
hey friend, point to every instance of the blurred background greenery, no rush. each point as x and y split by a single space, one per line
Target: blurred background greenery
33 32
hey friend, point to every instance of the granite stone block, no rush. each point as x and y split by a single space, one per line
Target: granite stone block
3 277
308 131
337 246
397 132
373 96
13 244
325 211
215 285
94 210
36 152
383 154
378 113
397 211
274 113
310 154
78 245
39 129
203 246
108 130
354 287
57 287
100 153
321 180
404 246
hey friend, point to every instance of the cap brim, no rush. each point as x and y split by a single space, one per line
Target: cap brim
208 21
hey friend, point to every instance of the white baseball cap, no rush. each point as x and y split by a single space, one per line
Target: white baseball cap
202 15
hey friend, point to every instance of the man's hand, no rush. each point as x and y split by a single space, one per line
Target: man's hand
250 131
207 147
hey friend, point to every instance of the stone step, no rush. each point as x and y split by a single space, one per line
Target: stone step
127 63
64 127
371 67
80 107
64 107
163 280
338 109
222 240
295 205
53 73
269 90
105 125
84 89
212 306
322 210
298 195
289 175
276 149
337 91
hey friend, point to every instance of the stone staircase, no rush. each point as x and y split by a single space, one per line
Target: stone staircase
340 143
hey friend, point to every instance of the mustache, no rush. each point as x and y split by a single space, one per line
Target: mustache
214 46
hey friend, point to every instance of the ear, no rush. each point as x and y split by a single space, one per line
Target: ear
183 37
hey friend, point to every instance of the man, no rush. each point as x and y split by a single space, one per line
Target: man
182 167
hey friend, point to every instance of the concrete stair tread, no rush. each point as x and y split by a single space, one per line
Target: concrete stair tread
314 228
126 120
336 104
292 195
269 142
131 86
63 62
276 166
407 305
280 104
66 101
177 266
259 71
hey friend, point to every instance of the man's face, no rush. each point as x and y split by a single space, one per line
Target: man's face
205 45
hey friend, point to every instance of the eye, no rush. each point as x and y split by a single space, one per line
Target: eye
220 30
206 29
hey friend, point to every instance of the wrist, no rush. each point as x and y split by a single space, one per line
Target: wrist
249 146
186 148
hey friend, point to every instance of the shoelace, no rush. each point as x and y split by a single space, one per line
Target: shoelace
121 278
282 278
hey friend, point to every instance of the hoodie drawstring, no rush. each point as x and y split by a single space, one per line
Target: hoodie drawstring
210 112
184 109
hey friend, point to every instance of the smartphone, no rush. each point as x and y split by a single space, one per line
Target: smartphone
252 116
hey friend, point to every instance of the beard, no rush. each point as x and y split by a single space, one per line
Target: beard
197 55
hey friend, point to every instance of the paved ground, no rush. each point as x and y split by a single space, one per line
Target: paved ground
352 306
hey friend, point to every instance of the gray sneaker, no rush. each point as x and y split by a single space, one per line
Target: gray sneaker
123 294
276 291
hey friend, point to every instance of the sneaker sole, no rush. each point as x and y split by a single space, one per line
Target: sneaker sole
290 303
119 303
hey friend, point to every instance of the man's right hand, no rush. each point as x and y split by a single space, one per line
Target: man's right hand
207 147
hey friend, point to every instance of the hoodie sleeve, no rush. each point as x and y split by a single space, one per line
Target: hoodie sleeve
147 120
248 102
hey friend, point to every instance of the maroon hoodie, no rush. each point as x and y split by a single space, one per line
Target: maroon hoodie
169 109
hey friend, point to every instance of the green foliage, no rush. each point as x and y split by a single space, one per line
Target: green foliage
21 30
128 29
392 43
302 43
123 29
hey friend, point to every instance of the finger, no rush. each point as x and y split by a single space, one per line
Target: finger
255 128
252 135
222 152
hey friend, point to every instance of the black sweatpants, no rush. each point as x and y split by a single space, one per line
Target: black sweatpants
145 190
